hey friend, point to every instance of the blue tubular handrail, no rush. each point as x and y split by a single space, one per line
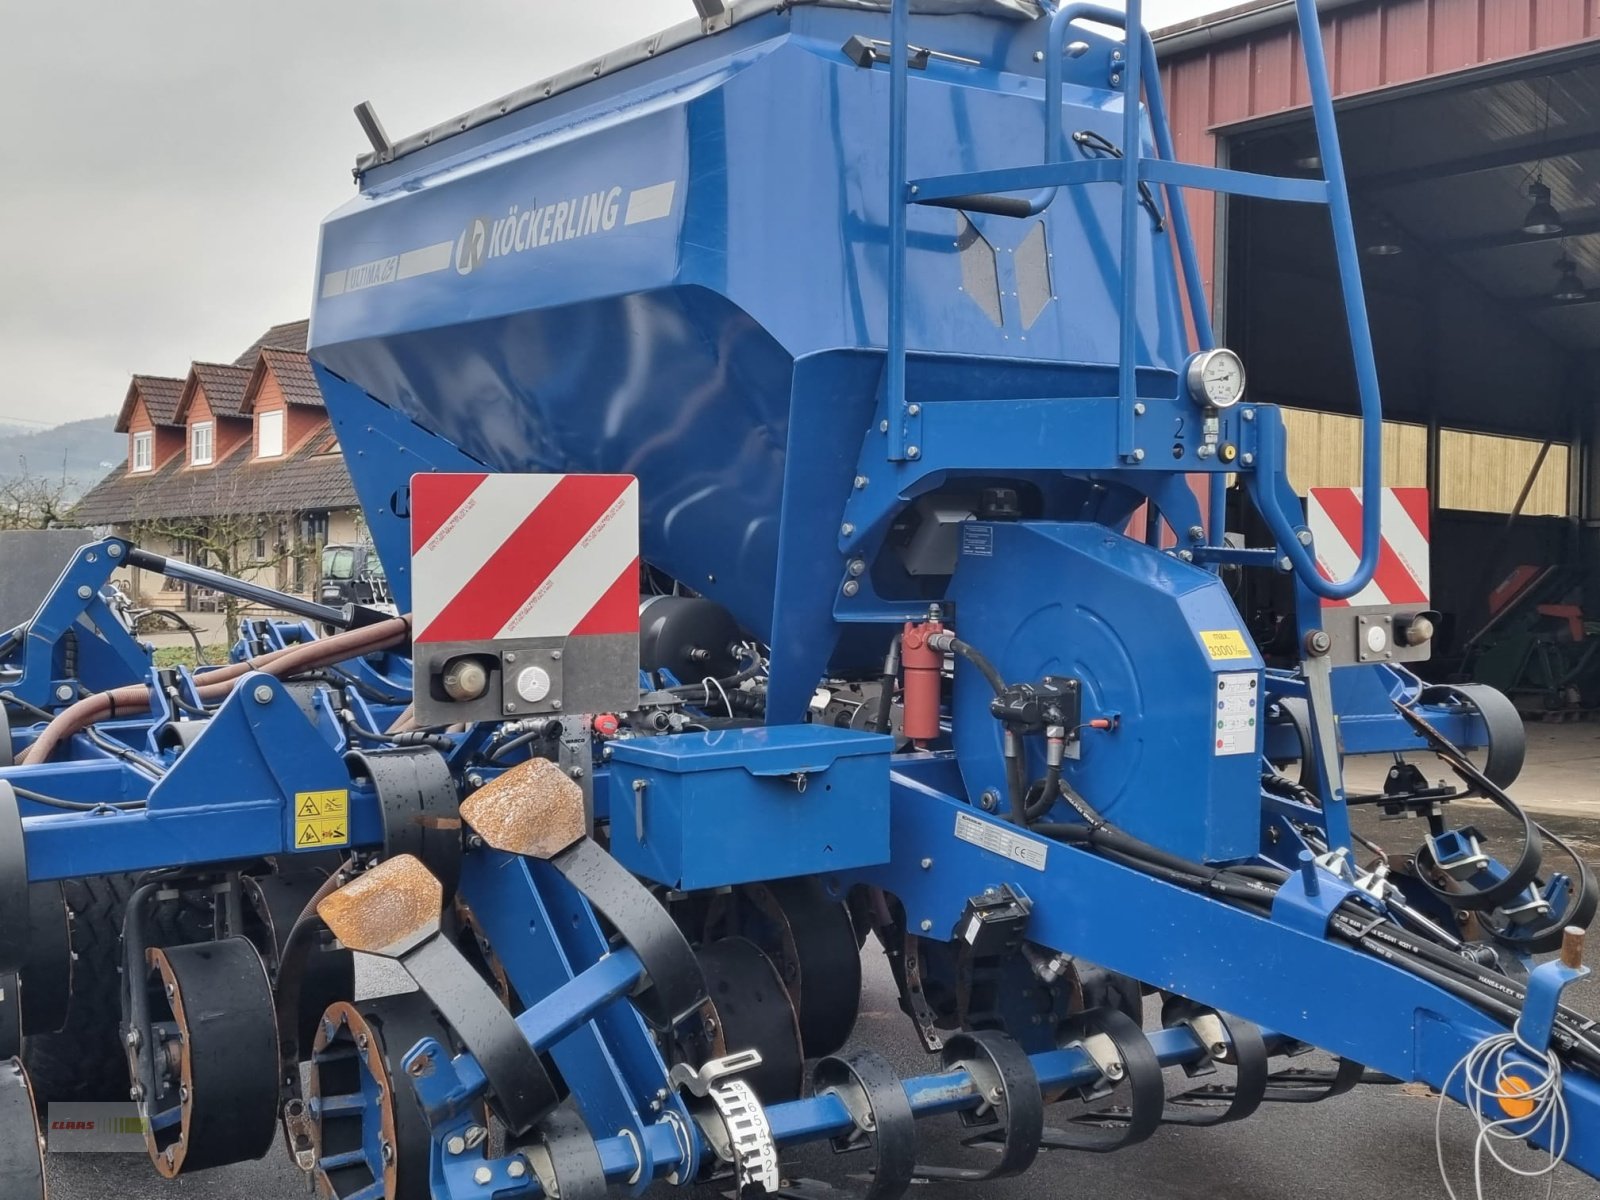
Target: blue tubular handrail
968 191
1127 319
1355 311
899 197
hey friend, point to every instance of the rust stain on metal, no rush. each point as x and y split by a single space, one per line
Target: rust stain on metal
533 809
391 905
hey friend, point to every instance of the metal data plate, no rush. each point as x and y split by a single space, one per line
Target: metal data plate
1366 634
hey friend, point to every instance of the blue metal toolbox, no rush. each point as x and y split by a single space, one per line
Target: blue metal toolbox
739 805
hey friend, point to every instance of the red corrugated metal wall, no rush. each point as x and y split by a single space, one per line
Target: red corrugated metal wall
1369 48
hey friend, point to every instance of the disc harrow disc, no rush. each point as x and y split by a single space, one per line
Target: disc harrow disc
366 1126
274 905
811 940
213 1035
748 1008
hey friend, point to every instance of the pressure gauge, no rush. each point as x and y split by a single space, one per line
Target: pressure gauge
1216 378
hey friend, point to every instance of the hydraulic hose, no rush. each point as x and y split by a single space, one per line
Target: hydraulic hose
1048 794
215 685
410 737
882 719
540 734
950 642
1016 781
1256 886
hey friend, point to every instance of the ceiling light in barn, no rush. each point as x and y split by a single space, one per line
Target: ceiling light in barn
1570 285
1542 218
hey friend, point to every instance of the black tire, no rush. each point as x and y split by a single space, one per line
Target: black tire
85 1060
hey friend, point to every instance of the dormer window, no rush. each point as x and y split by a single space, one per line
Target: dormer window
143 451
269 434
201 443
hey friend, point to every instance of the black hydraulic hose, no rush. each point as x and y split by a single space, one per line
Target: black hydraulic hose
1393 935
1102 834
178 620
368 690
1048 794
126 753
975 657
410 737
883 718
1583 899
1016 768
1517 877
689 689
1258 900
542 733
33 710
1017 788
1492 999
1255 886
1274 875
182 705
1130 851
75 805
1351 924
1117 842
1495 995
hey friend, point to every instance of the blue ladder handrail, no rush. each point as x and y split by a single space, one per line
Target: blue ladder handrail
984 190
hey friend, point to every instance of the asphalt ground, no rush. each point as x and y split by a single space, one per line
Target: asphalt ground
1375 1143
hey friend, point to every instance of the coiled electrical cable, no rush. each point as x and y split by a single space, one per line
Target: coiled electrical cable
1506 1070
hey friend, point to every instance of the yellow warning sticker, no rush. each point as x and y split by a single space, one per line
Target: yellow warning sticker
1225 643
321 819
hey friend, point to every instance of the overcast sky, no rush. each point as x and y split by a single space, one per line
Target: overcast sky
167 161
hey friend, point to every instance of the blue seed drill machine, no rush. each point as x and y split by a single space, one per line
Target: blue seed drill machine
800 456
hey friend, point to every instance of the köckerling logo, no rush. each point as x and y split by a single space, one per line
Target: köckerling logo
472 245
539 225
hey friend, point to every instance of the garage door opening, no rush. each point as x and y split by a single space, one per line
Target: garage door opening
1485 312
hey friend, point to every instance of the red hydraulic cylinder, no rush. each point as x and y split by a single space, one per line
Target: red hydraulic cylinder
923 666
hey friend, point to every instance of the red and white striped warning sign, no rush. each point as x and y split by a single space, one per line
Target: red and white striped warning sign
1333 515
523 556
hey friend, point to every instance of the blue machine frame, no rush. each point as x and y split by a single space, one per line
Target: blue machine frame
853 422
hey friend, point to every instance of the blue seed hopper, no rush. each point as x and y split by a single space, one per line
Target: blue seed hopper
682 270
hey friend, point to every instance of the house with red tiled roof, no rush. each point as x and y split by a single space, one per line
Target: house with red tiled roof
235 467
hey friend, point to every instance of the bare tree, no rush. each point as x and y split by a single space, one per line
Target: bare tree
34 502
